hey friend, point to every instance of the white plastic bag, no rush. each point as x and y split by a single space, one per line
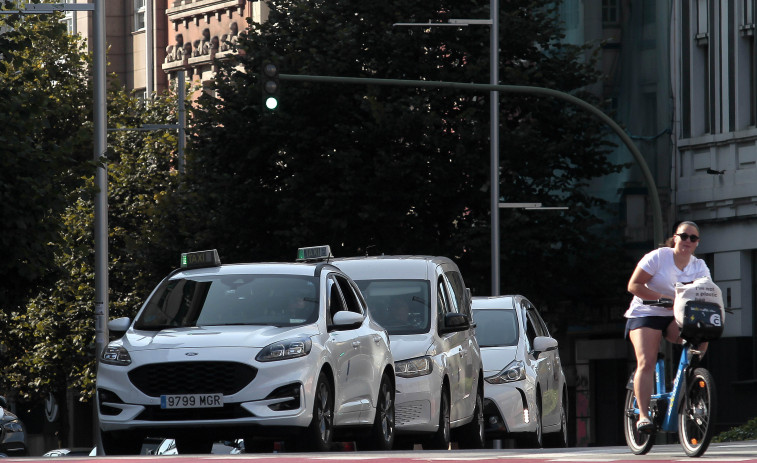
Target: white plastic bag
700 290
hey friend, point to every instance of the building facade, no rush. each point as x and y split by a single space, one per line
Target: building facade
681 76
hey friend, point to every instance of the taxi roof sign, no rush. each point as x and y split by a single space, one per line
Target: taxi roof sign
314 253
199 259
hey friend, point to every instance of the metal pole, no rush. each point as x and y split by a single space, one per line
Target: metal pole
149 49
101 197
182 96
494 142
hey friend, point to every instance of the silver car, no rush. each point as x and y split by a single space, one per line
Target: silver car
526 397
423 303
12 432
263 352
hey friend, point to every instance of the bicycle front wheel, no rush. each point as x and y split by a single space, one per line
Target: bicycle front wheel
697 413
640 443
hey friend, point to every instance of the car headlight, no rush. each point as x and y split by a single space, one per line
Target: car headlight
287 349
412 368
115 355
515 371
13 426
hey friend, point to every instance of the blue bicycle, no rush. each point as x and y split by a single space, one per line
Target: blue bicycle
690 406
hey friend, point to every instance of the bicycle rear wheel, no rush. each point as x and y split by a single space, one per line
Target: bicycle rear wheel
697 412
640 443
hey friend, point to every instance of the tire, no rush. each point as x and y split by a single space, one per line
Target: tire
472 435
441 438
537 440
697 413
559 439
193 445
381 436
639 443
121 443
318 435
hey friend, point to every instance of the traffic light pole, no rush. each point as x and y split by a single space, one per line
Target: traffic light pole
638 157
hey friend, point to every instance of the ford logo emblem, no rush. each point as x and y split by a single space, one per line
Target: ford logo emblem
191 354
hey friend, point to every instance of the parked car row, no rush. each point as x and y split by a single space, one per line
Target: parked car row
383 351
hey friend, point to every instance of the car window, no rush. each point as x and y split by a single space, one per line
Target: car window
336 302
457 291
529 325
350 298
279 300
533 317
442 303
400 306
496 328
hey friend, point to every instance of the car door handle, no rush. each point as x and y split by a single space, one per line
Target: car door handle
376 338
355 344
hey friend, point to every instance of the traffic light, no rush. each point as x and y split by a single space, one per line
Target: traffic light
270 85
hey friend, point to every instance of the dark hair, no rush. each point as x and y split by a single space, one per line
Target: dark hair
671 242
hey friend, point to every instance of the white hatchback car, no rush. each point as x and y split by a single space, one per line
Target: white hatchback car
526 397
263 352
423 303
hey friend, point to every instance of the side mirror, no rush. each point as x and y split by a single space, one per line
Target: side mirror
454 322
346 320
544 344
119 325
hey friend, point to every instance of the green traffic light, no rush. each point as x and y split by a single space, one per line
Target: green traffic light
271 103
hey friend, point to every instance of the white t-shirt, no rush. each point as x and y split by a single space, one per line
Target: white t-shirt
660 264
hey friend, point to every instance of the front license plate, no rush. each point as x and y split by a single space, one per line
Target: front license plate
191 401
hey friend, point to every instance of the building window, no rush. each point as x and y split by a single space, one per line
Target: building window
610 14
139 15
69 18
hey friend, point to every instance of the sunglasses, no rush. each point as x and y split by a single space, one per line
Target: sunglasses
686 236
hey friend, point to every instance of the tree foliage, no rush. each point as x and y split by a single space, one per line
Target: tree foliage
380 169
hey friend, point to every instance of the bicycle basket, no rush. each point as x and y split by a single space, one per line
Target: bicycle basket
702 321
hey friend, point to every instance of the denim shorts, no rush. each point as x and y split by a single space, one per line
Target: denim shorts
657 323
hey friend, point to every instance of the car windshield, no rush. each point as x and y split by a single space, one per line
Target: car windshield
400 306
278 300
496 328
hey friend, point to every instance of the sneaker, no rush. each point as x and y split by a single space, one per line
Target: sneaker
644 425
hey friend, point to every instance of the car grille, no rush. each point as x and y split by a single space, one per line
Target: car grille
192 378
227 412
411 413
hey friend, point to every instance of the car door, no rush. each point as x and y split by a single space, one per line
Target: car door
343 352
468 344
538 361
365 366
452 343
552 360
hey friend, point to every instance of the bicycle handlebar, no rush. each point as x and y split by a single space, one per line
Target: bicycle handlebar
662 302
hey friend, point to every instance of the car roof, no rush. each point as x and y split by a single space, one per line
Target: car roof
398 267
263 268
495 302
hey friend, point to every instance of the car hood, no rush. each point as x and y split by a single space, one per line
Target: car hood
408 346
207 336
497 358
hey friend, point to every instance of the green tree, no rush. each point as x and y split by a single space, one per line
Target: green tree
399 170
45 143
57 325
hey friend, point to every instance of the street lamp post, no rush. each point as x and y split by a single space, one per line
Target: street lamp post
493 22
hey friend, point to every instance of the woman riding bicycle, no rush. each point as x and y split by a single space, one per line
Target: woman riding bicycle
655 277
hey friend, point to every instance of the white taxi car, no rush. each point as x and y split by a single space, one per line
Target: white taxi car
423 303
526 397
265 352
